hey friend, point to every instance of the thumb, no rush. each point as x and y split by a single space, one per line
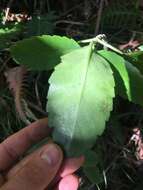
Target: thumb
38 171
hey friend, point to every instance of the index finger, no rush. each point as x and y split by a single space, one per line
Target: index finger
16 145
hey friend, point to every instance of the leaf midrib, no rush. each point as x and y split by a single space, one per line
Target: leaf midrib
82 91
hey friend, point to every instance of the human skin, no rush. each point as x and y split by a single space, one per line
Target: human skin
44 169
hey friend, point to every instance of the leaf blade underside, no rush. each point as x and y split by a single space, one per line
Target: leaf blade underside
80 99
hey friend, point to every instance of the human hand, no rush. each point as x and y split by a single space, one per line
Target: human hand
43 169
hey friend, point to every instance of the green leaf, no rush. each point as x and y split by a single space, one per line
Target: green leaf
91 158
136 59
94 174
120 72
128 79
136 83
80 99
9 33
42 52
93 165
40 25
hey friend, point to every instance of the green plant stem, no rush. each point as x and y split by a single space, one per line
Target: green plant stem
100 39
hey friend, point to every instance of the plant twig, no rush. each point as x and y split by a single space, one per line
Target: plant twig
101 40
70 22
37 92
37 108
99 14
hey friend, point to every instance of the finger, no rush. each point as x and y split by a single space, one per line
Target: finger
39 171
69 167
16 168
70 182
14 146
2 180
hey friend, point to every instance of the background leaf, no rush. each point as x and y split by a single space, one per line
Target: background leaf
8 33
128 79
137 59
40 25
80 99
42 52
92 158
120 72
94 174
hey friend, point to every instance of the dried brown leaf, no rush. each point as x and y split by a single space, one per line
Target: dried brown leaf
16 77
